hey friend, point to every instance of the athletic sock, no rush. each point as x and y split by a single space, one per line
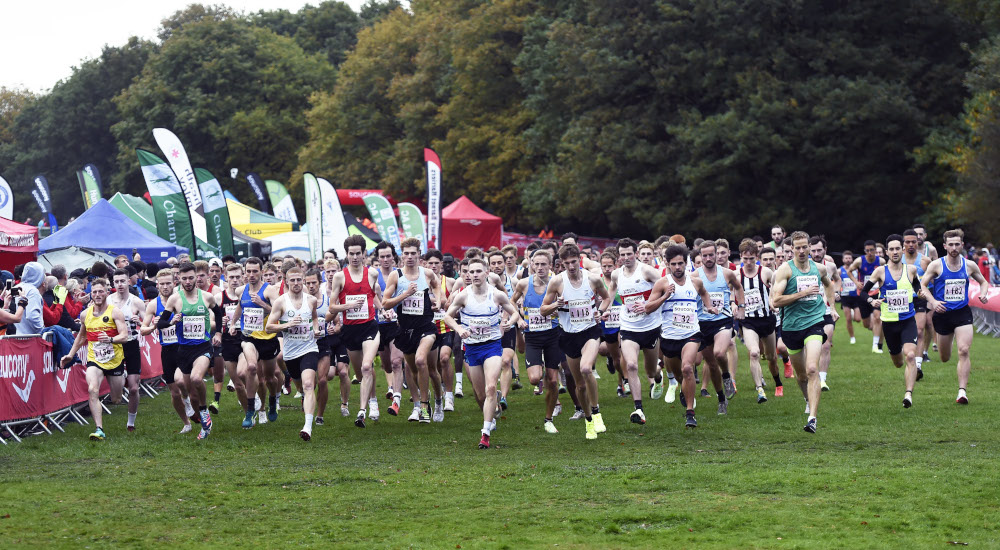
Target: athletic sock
822 376
187 402
777 380
658 379
397 397
203 408
131 419
218 395
670 377
784 358
309 421
880 345
458 377
595 410
875 340
725 375
448 395
548 419
638 404
722 396
486 427
272 401
919 360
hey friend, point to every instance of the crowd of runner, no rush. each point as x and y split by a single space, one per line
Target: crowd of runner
433 322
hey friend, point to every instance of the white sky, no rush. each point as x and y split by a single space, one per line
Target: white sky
42 40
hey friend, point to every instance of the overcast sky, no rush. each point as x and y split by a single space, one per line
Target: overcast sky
42 40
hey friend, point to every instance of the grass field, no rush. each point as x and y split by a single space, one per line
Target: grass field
875 475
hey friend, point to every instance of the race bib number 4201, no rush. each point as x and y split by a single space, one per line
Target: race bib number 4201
897 301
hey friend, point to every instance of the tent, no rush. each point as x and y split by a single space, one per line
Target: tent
18 243
104 228
255 223
294 243
465 225
73 257
141 212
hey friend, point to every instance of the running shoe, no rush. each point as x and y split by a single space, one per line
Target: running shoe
484 442
285 390
728 387
853 341
305 434
621 393
503 403
823 386
425 416
230 386
962 399
98 435
723 407
248 421
415 415
810 426
345 411
611 366
272 415
538 389
203 434
704 392
577 415
130 428
927 358
550 427
261 417
807 408
779 391
907 400
320 421
557 410
628 390
690 421
920 374
185 429
394 409
934 346
449 403
213 407
597 375
298 395
637 417
360 420
458 390
517 383
671 395
388 393
599 423
684 401
874 350
373 411
656 389
206 420
354 380
562 388
438 415
591 431
761 397
788 369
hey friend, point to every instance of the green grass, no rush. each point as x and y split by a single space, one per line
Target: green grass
875 475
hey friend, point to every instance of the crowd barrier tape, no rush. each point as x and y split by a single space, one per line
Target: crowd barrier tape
986 317
32 385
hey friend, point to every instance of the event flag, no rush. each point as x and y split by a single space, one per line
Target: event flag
334 225
281 201
169 209
90 185
220 230
260 191
412 222
44 196
178 159
433 199
385 221
314 216
6 200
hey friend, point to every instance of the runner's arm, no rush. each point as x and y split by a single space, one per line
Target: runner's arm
612 292
453 309
274 324
78 342
390 289
657 295
122 327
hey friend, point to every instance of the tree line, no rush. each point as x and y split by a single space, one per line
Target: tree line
710 118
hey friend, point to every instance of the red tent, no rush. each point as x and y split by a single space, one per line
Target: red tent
465 225
18 244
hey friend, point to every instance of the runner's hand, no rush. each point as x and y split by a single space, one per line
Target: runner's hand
217 339
521 324
103 337
176 319
65 359
739 313
835 315
464 334
712 309
984 298
257 300
412 289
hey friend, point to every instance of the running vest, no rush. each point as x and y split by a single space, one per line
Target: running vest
253 315
168 336
362 295
195 324
133 327
679 313
299 338
847 286
578 315
414 311
952 287
532 306
719 291
383 317
897 297
755 294
322 307
106 355
229 310
439 315
614 322
481 319
635 289
807 311
916 263
867 269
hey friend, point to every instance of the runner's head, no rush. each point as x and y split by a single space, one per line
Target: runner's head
541 263
331 267
817 248
99 291
411 251
870 249
954 241
676 256
748 252
707 251
760 242
608 262
385 255
293 280
165 283
464 266
234 275
311 280
722 252
800 246
646 253
254 270
188 275
910 241
847 258
769 258
880 250
176 272
474 252
355 248
786 247
626 251
448 265
201 274
215 270
330 255
894 246
496 261
478 273
569 256
695 256
510 256
434 260
569 238
120 279
921 233
777 234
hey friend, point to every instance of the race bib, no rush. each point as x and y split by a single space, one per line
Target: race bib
104 352
300 331
685 316
847 287
438 315
360 309
482 329
954 290
536 321
580 313
897 301
805 282
413 305
754 301
193 328
629 301
169 335
718 300
614 317
230 310
253 319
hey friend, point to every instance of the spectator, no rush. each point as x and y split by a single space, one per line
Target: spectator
54 312
32 279
59 272
73 305
984 262
11 312
121 261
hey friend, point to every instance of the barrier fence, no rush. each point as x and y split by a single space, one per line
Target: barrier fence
35 394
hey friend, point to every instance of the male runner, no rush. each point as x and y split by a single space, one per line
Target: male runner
333 358
926 247
103 330
897 282
204 282
132 308
716 329
758 323
573 295
294 313
481 329
355 292
946 289
817 251
796 291
388 329
511 274
919 260
609 340
410 288
679 296
849 299
260 348
498 265
242 378
439 358
168 348
865 266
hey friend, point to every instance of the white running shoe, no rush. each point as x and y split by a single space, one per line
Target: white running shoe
256 403
345 411
493 425
557 410
597 375
415 415
298 395
185 429
438 415
671 394
373 410
577 415
458 389
550 427
188 410
261 417
807 408
853 340
230 386
449 403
